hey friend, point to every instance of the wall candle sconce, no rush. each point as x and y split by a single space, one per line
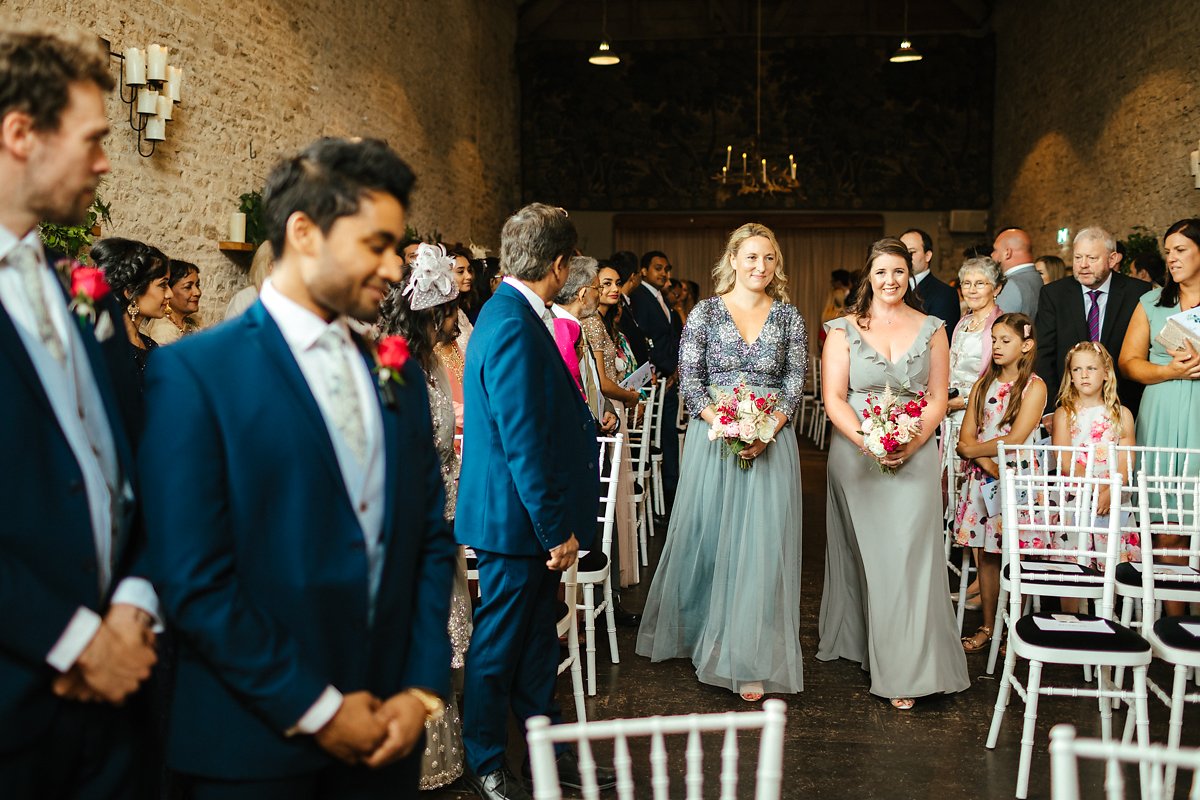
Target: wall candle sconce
150 87
1196 164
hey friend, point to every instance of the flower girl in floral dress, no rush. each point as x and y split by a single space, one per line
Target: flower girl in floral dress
1089 415
1005 406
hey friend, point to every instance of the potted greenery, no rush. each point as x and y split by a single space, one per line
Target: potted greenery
73 241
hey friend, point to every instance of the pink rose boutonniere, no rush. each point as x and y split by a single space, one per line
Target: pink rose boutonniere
88 288
391 355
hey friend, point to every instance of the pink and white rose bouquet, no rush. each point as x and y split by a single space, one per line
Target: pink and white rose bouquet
743 418
889 423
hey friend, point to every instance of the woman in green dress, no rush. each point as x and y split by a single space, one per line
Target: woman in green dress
1171 404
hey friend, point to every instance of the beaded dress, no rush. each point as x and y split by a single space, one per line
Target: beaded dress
727 590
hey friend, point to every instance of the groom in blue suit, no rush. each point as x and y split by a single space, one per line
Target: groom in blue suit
310 585
527 497
75 639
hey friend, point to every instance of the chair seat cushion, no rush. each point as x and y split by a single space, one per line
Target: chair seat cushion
1121 640
1056 578
1173 634
655 450
593 561
1129 575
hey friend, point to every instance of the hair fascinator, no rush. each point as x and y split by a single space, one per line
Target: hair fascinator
431 280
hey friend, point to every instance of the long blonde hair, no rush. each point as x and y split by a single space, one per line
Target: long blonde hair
1068 395
724 274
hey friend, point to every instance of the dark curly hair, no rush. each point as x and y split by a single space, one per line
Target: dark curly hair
129 267
422 329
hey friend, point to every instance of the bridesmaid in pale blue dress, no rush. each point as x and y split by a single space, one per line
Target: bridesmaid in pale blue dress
886 602
727 590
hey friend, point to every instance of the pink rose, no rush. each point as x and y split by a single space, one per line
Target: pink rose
89 282
393 352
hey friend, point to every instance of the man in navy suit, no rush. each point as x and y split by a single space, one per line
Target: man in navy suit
527 496
310 583
660 325
938 298
75 641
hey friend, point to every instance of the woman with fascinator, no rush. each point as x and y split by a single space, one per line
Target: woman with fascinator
423 308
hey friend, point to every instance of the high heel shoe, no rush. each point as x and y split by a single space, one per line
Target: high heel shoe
751 692
903 703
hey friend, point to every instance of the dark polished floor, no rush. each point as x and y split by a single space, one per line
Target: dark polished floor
841 741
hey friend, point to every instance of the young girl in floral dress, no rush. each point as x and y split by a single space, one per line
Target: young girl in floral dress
1005 406
1090 416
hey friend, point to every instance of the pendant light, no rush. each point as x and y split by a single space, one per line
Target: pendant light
906 52
604 56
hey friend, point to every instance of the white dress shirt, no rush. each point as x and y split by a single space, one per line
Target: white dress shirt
75 398
536 303
917 278
364 481
1101 299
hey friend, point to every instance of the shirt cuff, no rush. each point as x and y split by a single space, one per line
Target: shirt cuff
74 640
319 714
140 592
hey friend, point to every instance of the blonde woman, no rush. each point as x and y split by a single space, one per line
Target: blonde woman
727 590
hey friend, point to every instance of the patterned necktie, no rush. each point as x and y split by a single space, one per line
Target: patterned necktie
1093 316
342 394
548 320
27 265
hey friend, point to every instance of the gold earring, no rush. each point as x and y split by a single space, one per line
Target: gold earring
132 311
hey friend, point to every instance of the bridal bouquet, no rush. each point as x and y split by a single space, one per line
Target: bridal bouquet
889 423
743 418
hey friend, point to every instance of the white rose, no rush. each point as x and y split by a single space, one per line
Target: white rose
766 431
876 448
746 431
745 407
714 432
868 424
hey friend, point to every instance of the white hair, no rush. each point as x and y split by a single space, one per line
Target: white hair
1097 234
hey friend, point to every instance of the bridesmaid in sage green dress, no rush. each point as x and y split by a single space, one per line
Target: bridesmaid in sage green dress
886 602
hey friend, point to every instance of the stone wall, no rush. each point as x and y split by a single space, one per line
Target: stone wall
435 79
1097 108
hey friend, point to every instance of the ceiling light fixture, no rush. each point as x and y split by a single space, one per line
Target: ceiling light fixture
604 56
906 52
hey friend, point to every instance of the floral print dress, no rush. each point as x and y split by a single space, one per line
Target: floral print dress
1093 428
973 526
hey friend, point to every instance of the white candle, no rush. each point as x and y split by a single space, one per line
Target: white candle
164 106
728 156
764 166
1196 166
237 227
743 163
147 102
793 166
724 173
175 84
156 129
156 63
135 67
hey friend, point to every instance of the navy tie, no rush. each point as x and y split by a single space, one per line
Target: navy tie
1093 316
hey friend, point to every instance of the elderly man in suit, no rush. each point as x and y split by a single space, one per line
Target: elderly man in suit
77 624
527 496
310 584
1013 251
1094 303
939 298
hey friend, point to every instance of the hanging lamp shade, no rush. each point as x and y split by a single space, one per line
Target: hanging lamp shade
906 52
604 56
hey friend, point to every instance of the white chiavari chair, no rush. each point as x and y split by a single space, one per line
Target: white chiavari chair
1035 508
638 443
1153 762
595 567
953 475
656 457
542 736
568 627
1170 503
1040 460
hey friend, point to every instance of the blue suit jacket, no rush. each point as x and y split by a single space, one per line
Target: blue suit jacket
259 559
529 476
47 551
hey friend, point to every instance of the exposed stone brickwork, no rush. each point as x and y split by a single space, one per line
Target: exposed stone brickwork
1097 108
435 79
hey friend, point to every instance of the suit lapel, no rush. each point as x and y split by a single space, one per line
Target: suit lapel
390 434
11 344
267 336
512 295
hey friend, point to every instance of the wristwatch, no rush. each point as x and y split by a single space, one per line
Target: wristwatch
434 707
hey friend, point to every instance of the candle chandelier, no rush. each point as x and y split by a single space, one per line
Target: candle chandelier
757 173
150 87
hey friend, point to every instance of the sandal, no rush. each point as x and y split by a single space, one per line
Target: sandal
903 703
751 692
977 641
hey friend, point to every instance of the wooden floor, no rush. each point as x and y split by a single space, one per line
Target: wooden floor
841 741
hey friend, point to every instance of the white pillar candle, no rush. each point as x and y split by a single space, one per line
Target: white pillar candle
728 155
156 129
135 67
156 63
164 106
237 227
764 166
724 173
743 163
175 84
147 102
793 165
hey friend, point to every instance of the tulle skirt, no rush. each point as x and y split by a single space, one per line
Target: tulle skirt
726 593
